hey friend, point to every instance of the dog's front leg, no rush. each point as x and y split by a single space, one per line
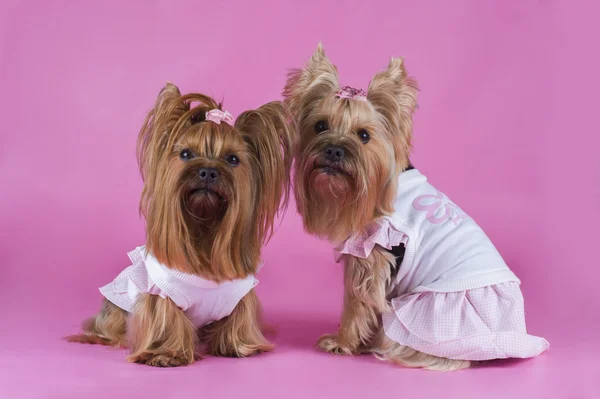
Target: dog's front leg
239 334
160 334
365 283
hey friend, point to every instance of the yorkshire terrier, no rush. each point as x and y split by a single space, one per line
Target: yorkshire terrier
212 189
423 285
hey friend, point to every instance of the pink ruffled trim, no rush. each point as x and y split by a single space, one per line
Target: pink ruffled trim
146 275
138 258
381 232
479 324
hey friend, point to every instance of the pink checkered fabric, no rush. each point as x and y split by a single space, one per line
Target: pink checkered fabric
202 300
380 232
453 295
479 324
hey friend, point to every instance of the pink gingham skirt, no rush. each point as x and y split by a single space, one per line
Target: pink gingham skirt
479 324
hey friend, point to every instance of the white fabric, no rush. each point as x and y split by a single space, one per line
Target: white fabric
454 295
479 324
203 301
446 251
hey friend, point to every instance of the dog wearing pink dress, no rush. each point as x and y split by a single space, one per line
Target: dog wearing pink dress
423 285
452 296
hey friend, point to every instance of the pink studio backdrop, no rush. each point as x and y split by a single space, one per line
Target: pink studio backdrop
507 127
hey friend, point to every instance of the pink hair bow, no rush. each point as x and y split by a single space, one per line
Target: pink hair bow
217 116
352 93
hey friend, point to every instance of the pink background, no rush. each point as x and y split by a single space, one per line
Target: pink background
508 128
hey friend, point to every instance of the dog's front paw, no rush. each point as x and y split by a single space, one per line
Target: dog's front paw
241 350
331 343
162 360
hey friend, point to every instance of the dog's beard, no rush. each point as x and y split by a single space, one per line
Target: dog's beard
331 184
206 207
339 199
326 196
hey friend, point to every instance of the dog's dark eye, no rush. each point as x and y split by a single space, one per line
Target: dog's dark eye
363 135
233 160
199 117
186 155
321 126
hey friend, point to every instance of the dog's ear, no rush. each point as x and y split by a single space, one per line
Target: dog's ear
394 95
270 137
318 78
153 138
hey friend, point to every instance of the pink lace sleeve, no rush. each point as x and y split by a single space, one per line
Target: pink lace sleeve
381 232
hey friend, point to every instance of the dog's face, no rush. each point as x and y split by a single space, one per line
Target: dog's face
344 163
350 149
211 170
211 190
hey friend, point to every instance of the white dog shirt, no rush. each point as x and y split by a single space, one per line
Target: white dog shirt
203 301
446 251
454 296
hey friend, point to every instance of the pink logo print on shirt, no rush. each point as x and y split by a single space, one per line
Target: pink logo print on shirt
439 208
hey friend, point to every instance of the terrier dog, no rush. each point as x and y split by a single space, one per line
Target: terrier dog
423 286
212 189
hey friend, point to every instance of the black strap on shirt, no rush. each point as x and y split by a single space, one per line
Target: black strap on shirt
399 250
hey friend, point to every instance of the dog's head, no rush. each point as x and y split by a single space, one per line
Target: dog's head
352 144
212 185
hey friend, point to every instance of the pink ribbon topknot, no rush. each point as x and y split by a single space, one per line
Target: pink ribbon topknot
217 116
352 93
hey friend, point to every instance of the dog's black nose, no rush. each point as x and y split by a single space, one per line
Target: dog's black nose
334 153
208 175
